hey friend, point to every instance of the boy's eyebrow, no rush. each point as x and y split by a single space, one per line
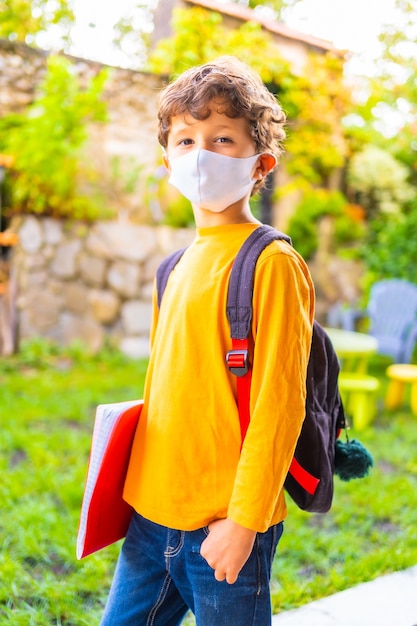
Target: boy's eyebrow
224 127
184 127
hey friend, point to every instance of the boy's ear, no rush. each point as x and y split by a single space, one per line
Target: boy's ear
165 161
266 163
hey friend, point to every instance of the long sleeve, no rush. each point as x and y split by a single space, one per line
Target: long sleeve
283 314
186 467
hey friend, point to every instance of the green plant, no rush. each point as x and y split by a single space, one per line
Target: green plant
166 204
391 247
315 204
380 179
49 175
23 20
179 214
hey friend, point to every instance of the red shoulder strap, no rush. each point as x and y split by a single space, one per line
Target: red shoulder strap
238 363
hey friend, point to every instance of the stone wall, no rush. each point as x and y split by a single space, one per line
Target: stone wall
72 282
90 284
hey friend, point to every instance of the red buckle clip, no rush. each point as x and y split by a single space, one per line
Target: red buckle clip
238 362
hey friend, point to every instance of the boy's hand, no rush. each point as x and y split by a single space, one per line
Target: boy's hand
227 548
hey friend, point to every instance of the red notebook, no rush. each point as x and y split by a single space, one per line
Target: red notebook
105 516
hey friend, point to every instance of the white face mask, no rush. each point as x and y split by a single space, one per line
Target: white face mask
210 180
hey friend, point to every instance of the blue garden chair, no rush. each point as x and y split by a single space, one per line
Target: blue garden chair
392 314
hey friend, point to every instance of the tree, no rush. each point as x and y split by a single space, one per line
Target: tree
26 20
397 81
383 170
133 30
388 115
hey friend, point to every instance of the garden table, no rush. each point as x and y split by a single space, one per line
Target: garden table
353 349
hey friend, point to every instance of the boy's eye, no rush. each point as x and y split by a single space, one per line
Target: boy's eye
223 140
185 142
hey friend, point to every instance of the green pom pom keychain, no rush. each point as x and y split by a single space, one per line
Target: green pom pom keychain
352 459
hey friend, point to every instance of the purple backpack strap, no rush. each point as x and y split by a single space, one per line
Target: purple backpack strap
164 270
239 297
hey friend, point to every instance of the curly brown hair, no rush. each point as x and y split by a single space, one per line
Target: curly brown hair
243 93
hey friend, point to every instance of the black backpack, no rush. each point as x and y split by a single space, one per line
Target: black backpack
310 478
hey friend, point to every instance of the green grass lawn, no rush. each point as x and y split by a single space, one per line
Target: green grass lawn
47 403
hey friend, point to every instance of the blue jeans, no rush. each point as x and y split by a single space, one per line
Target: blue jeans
161 574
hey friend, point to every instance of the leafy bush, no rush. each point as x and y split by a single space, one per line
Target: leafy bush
179 214
380 179
317 203
166 204
46 144
391 247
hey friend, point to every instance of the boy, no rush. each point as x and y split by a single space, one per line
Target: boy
209 510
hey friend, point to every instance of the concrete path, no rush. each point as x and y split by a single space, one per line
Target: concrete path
387 601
